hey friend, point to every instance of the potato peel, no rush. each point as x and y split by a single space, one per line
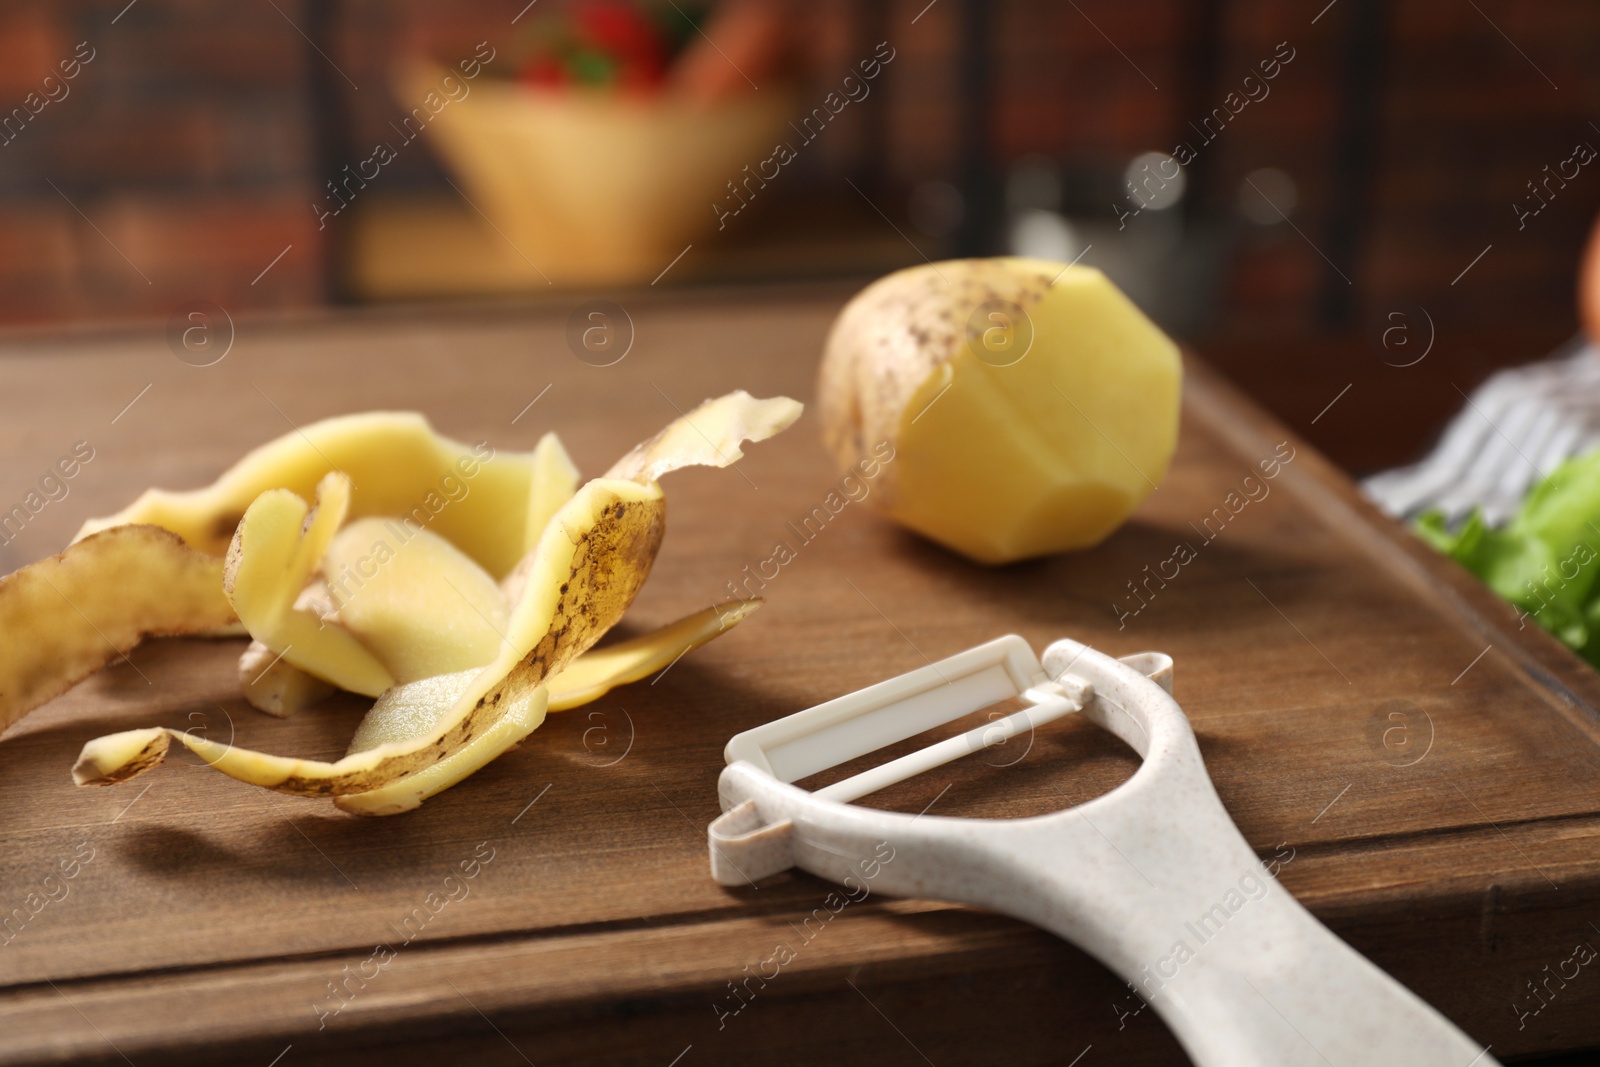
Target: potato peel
407 710
274 685
69 615
586 569
419 604
591 562
708 436
270 561
524 715
482 502
554 481
600 670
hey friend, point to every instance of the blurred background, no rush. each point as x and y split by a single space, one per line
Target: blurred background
1311 194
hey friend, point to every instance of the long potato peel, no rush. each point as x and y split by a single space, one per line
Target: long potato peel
600 670
67 616
421 605
407 710
524 715
587 567
708 436
271 683
274 552
276 686
410 708
553 481
483 502
591 562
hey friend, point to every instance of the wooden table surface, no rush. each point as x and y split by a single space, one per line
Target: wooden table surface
1430 765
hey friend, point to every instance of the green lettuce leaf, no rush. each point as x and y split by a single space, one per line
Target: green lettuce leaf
1546 559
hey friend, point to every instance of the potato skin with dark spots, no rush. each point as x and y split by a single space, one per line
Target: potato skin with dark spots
153 753
610 563
591 559
611 559
67 616
892 336
608 569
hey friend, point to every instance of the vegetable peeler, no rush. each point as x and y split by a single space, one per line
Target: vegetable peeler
1153 878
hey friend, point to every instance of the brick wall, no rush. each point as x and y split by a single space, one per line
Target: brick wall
173 165
185 155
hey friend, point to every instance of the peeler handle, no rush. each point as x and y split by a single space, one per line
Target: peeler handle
1167 894
1317 1004
1159 884
1267 985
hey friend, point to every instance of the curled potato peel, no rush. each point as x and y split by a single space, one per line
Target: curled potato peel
600 670
587 567
120 587
421 605
490 505
275 686
274 552
271 683
409 709
594 560
67 616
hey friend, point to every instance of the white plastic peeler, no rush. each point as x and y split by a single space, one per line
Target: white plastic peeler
1153 878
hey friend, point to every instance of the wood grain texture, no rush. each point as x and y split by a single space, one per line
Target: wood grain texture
1461 853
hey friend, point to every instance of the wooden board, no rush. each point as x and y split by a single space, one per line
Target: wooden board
1457 844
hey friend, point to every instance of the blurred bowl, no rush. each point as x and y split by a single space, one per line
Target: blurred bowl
596 187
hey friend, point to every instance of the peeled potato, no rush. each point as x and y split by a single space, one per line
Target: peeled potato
1007 408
